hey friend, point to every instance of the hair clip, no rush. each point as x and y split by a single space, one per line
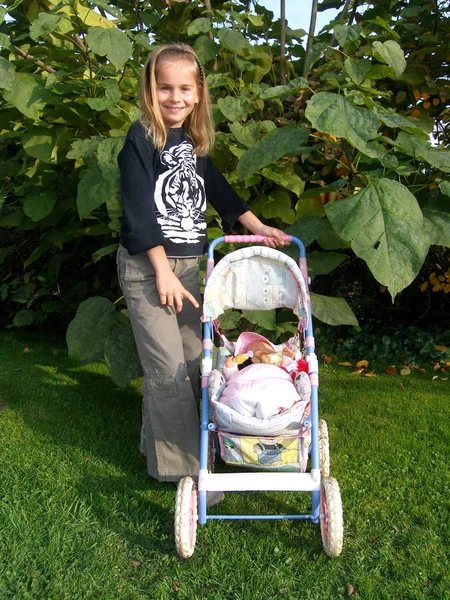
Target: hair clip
200 68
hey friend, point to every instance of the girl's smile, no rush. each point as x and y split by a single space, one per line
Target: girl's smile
177 92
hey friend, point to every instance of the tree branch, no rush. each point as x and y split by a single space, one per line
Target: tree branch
39 63
312 28
283 42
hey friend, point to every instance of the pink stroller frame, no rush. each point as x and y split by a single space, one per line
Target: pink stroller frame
288 287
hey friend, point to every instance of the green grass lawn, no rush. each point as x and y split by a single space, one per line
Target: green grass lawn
80 519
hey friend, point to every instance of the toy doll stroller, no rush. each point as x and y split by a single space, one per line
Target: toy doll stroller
273 451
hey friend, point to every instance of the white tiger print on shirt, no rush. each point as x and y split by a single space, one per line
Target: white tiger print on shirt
180 196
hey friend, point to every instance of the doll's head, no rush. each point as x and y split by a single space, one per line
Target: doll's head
254 345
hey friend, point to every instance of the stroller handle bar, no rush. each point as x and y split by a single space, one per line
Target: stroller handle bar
238 239
258 239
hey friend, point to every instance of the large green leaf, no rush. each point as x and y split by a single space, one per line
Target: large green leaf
281 91
198 26
307 229
357 69
234 108
45 23
39 142
346 33
423 150
89 329
248 134
437 226
27 94
84 148
323 263
384 224
279 206
331 310
107 153
390 53
112 43
285 177
24 318
393 119
205 48
267 319
337 116
38 206
93 191
120 351
277 143
105 251
6 74
232 40
112 95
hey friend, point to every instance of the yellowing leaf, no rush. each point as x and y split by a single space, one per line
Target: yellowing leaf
326 358
405 371
357 372
436 287
90 17
426 105
415 114
345 364
442 348
371 374
417 94
362 363
424 286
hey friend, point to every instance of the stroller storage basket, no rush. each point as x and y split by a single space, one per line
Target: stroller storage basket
281 453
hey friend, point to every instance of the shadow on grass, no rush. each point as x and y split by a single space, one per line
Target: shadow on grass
95 427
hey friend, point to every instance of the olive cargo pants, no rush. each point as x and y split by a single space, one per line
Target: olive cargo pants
169 347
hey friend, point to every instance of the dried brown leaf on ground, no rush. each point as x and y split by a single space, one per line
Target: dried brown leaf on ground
392 370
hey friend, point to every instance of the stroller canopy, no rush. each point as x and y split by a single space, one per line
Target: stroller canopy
256 278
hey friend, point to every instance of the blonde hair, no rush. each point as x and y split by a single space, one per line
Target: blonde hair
199 124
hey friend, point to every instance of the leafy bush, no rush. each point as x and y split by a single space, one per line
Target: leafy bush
332 145
406 344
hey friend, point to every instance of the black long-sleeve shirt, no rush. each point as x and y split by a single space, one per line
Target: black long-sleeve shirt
164 194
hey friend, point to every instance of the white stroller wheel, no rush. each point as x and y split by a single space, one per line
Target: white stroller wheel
186 517
324 448
331 520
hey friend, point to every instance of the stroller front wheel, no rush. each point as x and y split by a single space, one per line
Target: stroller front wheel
186 517
331 520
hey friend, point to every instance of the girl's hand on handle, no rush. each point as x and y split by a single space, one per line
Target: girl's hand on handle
170 289
274 237
172 292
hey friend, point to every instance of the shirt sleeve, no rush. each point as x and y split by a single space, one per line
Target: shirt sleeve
221 195
140 230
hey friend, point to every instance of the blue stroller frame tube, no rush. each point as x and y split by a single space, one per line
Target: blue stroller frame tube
208 335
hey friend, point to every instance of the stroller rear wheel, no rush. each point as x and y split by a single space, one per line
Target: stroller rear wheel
186 517
331 520
324 448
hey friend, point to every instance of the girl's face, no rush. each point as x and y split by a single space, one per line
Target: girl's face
177 92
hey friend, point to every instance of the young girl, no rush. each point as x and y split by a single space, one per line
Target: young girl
166 178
